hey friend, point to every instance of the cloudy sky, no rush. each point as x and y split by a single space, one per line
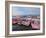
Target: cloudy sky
25 11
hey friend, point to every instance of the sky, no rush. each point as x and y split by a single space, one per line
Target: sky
25 11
